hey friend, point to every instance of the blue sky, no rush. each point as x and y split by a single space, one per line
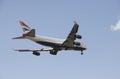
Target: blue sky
55 18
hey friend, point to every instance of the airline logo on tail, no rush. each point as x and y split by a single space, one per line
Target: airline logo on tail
24 26
27 30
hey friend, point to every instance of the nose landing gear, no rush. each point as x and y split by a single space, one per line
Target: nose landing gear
81 52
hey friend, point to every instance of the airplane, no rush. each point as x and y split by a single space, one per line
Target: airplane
54 44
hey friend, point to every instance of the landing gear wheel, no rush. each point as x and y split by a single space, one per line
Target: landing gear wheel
82 53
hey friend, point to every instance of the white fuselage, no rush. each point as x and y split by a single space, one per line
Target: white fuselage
47 41
53 42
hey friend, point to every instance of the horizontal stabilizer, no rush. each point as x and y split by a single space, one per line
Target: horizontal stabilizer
21 37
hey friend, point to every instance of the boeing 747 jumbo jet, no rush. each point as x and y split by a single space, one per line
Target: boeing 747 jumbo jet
54 44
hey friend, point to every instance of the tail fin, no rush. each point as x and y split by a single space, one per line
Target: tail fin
27 30
31 33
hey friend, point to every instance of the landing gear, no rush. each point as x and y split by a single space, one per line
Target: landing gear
81 52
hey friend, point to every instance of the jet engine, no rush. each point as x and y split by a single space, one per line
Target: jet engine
53 52
78 36
77 43
36 53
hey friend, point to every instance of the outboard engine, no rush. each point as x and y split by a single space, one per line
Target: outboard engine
53 52
78 36
36 53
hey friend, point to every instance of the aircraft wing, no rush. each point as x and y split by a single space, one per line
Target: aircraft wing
31 50
71 37
36 52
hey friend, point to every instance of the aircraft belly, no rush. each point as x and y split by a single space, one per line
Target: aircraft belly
47 41
50 44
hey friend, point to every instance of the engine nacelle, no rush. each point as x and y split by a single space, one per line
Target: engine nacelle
36 53
78 36
77 43
53 52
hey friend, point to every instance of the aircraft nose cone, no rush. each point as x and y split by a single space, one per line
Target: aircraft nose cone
83 46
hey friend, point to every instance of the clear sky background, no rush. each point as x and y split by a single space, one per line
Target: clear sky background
99 22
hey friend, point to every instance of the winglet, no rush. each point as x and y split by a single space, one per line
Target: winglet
75 22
